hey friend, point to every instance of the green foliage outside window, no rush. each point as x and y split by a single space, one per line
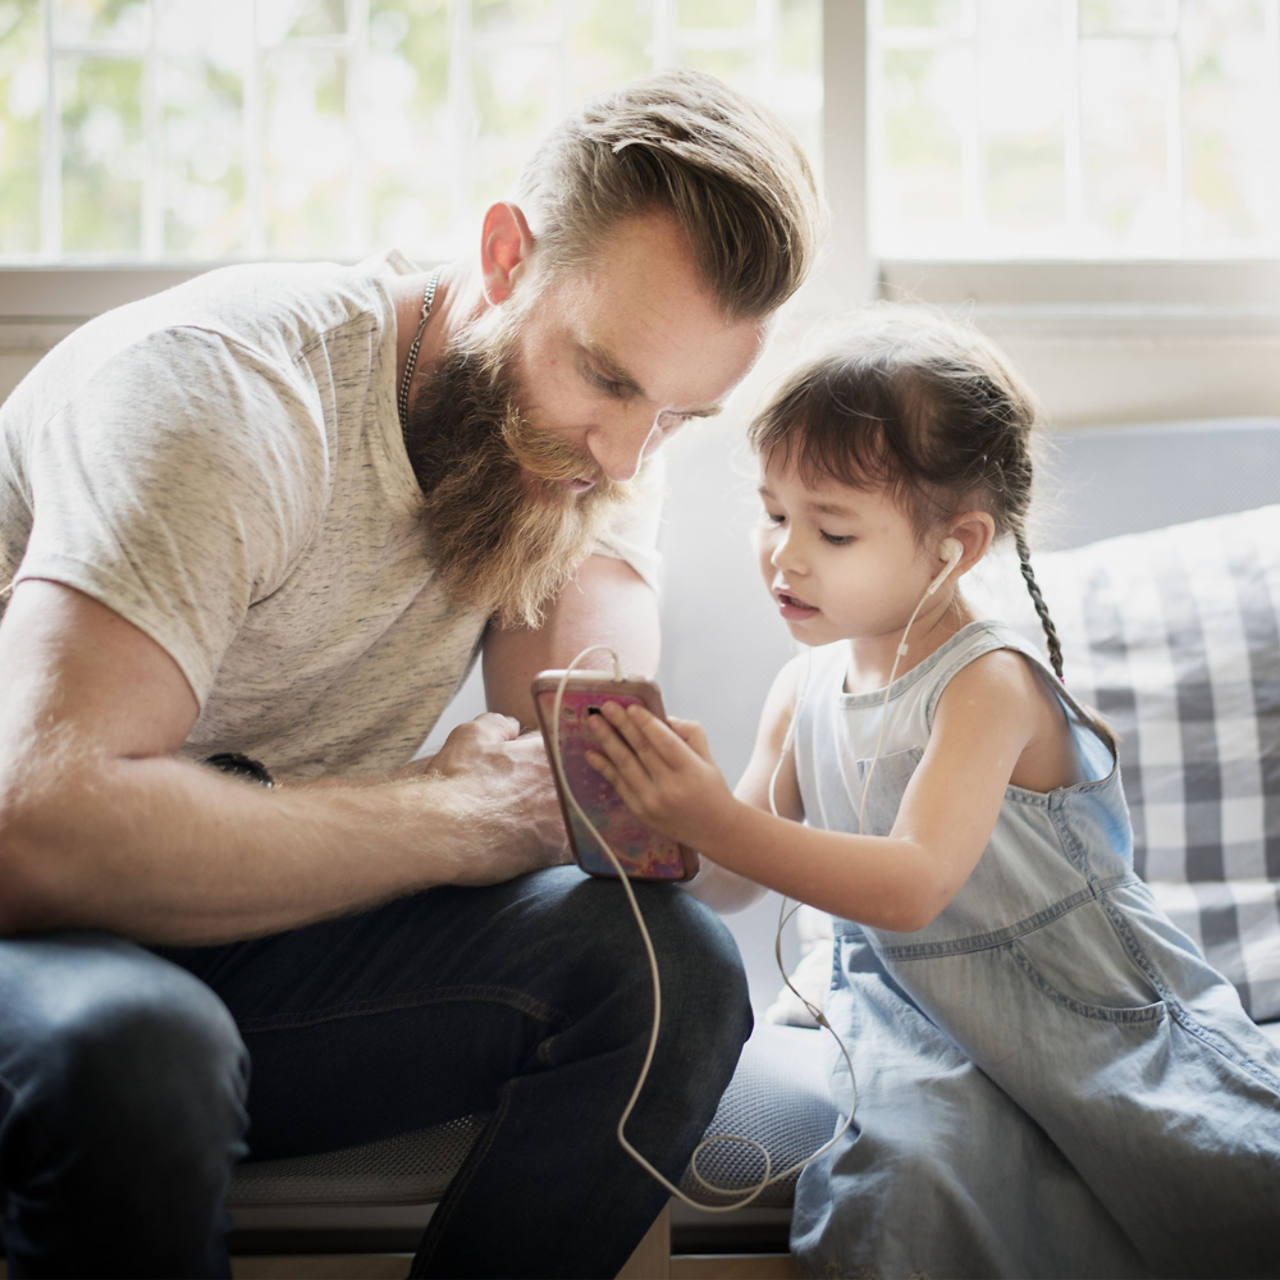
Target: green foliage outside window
304 128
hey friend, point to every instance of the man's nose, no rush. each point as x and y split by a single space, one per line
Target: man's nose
620 447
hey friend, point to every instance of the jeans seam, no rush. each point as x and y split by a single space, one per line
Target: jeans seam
508 996
462 1180
997 938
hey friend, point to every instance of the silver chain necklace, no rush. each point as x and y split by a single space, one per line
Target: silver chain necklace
428 297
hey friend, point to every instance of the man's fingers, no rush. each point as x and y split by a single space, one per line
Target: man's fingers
494 722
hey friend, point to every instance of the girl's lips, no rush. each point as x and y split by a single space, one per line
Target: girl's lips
581 485
792 608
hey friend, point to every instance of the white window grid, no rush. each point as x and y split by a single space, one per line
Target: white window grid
757 42
1159 24
1081 296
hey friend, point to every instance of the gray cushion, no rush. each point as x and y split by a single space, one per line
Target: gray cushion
778 1096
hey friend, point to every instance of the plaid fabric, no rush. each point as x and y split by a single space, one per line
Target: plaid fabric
1174 637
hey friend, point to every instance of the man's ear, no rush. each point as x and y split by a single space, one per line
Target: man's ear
505 244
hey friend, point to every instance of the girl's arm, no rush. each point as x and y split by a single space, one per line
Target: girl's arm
985 720
714 884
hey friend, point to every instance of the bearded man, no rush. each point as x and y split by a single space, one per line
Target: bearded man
266 521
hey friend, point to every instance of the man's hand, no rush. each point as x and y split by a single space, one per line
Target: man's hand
506 776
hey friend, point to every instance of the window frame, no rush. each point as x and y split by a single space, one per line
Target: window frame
39 303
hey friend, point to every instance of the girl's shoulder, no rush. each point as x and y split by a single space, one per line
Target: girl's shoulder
984 657
1006 694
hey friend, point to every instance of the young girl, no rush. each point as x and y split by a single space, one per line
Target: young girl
1052 1081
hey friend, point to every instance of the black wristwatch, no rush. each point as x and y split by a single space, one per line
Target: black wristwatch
242 767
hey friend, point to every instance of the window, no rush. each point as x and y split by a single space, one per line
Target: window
170 130
1054 156
1076 128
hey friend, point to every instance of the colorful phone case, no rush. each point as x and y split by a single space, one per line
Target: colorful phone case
645 854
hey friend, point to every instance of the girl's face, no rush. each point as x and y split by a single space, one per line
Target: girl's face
841 563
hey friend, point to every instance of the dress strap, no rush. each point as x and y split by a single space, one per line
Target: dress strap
984 637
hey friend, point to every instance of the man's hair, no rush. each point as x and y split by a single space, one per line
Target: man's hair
682 142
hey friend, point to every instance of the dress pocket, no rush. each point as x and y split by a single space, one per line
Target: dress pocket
1081 961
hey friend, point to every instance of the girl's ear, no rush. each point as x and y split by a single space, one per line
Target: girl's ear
975 531
505 244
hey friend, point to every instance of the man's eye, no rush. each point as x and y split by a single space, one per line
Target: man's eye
668 420
610 386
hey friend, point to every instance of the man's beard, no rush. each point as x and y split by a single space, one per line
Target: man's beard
504 532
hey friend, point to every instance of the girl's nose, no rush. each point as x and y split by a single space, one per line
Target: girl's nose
786 552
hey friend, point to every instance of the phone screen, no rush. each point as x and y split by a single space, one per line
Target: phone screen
644 853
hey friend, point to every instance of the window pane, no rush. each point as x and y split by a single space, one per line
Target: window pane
920 184
930 15
309 155
499 19
734 66
102 154
1023 113
1128 17
280 20
1125 180
513 111
797 95
183 27
99 22
610 42
408 143
204 173
1229 114
716 13
21 119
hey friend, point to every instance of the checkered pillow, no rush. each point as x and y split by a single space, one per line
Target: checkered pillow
1174 637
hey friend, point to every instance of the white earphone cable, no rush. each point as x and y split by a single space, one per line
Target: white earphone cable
767 1179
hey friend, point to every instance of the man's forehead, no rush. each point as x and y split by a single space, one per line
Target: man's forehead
694 386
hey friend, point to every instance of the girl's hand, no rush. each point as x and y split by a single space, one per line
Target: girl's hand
663 772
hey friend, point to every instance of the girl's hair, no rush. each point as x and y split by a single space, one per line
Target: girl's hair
924 407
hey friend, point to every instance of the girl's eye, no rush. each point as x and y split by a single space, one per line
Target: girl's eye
773 518
837 539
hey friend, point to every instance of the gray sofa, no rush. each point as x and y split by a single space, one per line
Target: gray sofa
721 650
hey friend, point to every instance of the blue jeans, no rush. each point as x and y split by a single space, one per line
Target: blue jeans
126 1094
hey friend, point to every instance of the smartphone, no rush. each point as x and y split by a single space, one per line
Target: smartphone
645 854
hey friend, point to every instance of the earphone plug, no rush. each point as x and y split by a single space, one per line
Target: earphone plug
951 550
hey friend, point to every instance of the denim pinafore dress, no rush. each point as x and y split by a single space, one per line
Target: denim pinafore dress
1052 1081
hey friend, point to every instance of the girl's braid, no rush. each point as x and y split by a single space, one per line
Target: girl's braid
1042 609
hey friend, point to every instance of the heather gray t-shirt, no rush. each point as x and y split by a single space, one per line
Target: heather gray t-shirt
222 465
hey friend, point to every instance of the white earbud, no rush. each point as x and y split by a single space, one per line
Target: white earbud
951 549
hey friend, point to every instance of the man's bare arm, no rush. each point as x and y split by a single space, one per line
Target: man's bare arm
101 825
606 603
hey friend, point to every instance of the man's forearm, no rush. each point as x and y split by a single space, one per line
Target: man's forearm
168 851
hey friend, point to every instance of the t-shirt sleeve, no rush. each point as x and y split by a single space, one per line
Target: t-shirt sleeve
632 531
176 487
